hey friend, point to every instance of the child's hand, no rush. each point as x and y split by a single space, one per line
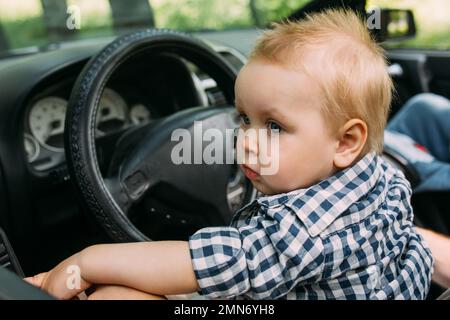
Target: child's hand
63 281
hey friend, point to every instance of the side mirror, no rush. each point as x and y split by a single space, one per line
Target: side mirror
391 24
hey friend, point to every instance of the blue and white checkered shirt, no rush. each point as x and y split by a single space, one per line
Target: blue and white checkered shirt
350 236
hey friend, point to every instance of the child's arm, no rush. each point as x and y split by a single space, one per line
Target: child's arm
160 268
116 292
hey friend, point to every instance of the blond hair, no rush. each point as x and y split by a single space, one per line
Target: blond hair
352 73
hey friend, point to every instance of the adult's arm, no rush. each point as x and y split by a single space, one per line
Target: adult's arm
440 249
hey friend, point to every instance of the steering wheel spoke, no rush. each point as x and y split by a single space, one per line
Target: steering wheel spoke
150 162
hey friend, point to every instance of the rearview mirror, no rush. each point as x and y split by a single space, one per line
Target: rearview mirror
391 24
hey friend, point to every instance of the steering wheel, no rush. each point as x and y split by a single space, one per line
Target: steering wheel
142 180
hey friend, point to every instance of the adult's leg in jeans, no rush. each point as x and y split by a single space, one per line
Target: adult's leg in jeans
426 119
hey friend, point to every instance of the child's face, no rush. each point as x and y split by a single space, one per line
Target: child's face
286 103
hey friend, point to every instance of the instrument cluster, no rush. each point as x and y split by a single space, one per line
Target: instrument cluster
44 127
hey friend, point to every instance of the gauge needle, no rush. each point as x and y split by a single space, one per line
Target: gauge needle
55 130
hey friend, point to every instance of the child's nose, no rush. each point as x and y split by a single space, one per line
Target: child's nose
251 142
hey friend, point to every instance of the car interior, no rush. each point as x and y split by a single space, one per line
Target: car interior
85 139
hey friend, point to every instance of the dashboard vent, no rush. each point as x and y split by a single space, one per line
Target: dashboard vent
215 97
236 62
211 94
7 258
5 262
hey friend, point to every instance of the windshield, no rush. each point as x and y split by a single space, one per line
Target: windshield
38 23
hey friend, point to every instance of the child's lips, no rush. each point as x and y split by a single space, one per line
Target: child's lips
249 173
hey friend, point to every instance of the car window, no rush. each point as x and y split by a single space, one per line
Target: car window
432 18
28 23
219 14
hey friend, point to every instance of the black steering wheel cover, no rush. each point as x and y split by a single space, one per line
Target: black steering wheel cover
84 101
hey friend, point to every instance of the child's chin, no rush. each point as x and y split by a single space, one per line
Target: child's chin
263 188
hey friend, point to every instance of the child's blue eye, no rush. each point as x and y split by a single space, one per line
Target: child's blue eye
244 119
274 127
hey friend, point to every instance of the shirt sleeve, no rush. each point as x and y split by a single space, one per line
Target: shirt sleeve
264 259
219 262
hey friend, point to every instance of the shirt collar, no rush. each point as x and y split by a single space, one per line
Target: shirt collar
319 205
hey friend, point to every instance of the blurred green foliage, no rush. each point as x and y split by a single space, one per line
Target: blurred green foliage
25 32
277 10
201 14
32 32
215 14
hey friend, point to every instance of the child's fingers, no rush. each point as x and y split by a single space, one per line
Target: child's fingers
37 280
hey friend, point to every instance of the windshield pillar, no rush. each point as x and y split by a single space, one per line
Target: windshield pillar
55 18
4 44
131 15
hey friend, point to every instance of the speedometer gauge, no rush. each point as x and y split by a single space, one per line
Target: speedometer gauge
46 122
112 112
139 114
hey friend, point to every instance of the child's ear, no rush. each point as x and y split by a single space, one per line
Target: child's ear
351 141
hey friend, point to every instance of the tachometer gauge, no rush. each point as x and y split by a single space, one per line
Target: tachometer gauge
46 121
32 148
139 114
111 115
